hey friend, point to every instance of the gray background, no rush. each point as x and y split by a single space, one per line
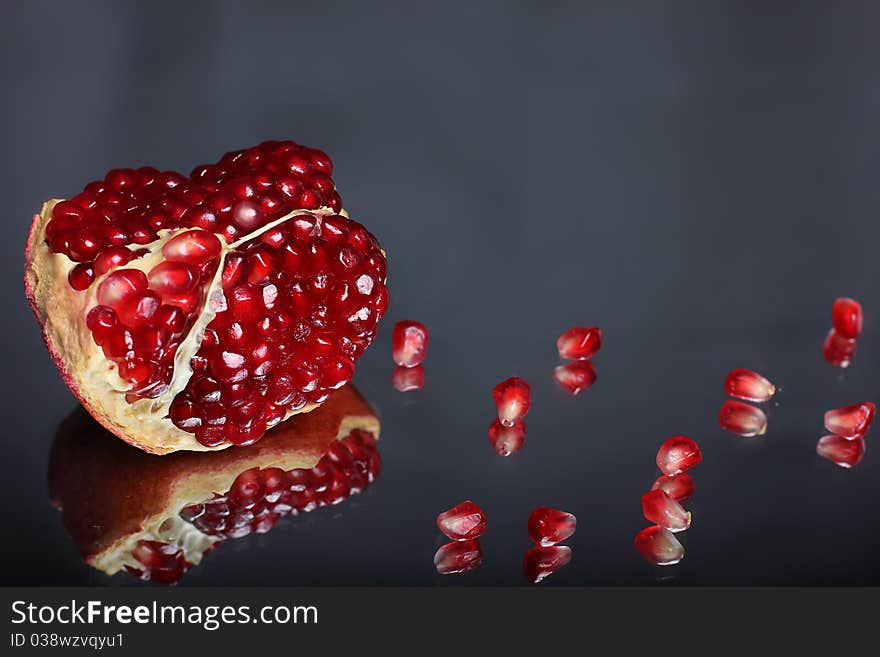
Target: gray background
699 178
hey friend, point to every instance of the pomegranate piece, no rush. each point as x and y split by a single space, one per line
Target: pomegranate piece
550 526
748 385
678 454
663 510
838 350
743 419
239 296
458 557
405 379
507 440
410 343
161 562
845 452
541 562
575 376
579 342
658 546
679 487
462 522
846 317
512 398
850 421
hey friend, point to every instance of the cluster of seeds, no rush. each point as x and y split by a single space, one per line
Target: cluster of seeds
259 498
662 504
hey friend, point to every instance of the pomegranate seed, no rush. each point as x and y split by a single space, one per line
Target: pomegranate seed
748 385
743 419
173 278
463 521
579 342
112 257
550 526
679 487
195 247
575 376
658 546
846 317
512 397
678 454
81 276
121 286
661 509
845 452
405 379
458 557
541 562
850 421
838 350
410 342
507 440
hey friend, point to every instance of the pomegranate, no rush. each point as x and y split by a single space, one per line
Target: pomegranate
194 313
658 546
575 376
542 561
742 419
850 421
512 397
458 557
678 454
679 487
155 518
660 508
841 451
838 350
507 440
405 379
410 343
579 342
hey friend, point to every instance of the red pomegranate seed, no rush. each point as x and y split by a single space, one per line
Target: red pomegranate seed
405 379
742 419
173 278
195 247
679 487
579 342
112 257
410 343
550 526
661 509
463 521
575 376
845 452
846 317
541 562
838 350
850 421
748 385
678 454
658 546
512 398
122 286
507 440
458 557
81 276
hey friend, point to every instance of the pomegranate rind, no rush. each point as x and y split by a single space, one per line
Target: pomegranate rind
113 496
91 377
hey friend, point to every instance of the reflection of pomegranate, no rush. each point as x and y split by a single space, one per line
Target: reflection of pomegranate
155 517
194 313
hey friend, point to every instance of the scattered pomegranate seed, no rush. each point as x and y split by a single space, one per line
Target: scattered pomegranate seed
541 562
845 452
458 557
507 440
579 342
550 526
679 487
410 343
838 350
658 546
663 510
575 376
462 522
850 421
512 397
742 419
405 379
846 317
678 454
749 385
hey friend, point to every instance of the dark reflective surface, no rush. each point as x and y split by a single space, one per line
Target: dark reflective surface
700 182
